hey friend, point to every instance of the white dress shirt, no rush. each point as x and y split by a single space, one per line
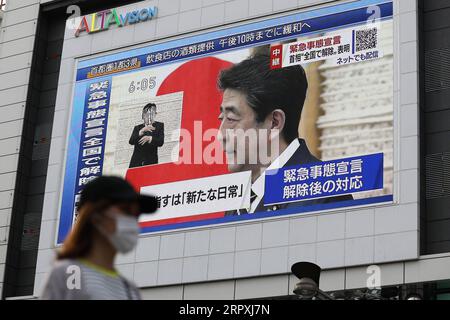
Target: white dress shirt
259 185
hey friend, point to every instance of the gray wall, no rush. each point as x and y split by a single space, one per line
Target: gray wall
31 42
426 269
262 250
435 109
17 42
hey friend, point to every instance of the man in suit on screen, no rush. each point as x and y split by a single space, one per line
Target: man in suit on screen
268 103
147 138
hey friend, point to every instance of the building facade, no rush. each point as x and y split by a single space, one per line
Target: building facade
402 242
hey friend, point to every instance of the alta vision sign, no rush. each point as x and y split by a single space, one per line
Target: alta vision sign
101 21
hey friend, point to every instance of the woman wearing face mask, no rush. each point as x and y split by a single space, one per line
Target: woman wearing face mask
106 225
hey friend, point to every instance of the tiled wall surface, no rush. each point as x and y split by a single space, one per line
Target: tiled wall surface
430 268
262 248
436 124
17 37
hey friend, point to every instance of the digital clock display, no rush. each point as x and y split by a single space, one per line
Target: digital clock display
142 85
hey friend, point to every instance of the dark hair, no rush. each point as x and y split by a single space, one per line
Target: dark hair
268 89
79 241
148 106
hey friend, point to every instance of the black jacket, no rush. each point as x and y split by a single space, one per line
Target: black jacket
148 153
301 156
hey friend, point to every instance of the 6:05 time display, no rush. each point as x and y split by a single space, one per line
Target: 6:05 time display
142 85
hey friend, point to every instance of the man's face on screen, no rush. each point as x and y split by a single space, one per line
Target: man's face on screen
149 116
240 134
146 117
152 114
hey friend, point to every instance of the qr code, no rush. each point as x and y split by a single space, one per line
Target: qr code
366 39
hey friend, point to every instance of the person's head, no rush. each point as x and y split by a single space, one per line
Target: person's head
149 113
260 99
108 214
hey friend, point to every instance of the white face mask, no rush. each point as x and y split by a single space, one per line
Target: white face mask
126 236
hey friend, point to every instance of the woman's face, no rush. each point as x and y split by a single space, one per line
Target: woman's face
110 214
119 224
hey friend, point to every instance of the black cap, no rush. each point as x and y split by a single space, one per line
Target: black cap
307 270
116 190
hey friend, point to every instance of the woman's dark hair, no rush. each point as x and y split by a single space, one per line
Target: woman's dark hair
268 89
79 241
